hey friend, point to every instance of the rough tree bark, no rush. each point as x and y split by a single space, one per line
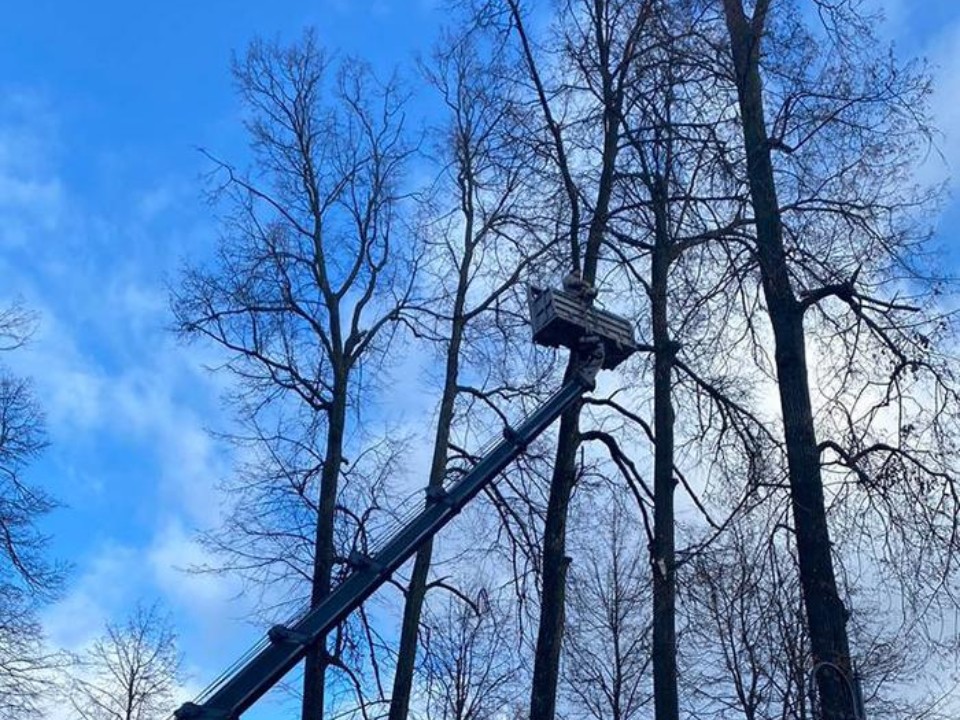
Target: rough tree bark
317 659
417 589
663 550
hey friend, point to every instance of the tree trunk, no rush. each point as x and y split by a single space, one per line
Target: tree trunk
316 661
417 590
546 667
826 615
664 651
543 697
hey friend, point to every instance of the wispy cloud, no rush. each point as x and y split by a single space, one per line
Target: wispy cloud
127 406
101 592
30 196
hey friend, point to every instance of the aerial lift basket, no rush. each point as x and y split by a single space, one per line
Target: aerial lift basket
561 318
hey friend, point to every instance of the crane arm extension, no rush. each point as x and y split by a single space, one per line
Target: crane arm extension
288 645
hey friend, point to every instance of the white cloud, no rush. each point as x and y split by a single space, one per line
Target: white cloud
101 592
174 558
28 201
30 196
112 379
150 399
153 406
71 388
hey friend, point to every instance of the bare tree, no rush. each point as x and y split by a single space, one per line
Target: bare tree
130 673
303 299
834 252
470 664
607 651
26 576
748 647
657 165
641 162
595 52
26 664
474 232
830 125
22 438
677 208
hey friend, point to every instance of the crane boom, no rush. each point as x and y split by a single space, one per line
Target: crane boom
288 645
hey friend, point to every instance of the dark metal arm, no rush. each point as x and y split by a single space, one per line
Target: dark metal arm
288 645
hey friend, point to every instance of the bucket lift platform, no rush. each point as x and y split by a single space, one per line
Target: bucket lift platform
564 318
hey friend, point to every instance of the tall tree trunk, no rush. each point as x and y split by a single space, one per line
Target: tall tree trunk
664 651
546 667
316 661
417 590
826 614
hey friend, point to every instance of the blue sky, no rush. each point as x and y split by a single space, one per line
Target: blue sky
102 106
